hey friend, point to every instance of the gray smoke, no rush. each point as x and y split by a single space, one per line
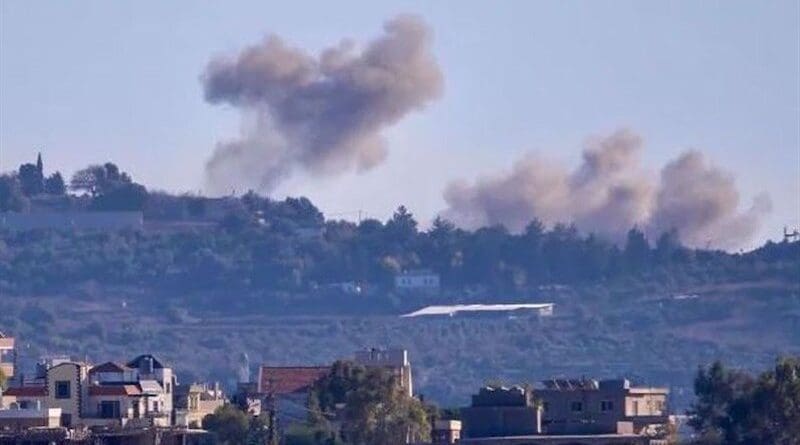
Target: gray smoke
323 114
609 193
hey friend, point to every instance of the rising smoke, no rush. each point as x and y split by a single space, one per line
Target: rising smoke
322 114
609 193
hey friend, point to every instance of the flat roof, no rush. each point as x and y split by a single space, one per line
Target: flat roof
451 310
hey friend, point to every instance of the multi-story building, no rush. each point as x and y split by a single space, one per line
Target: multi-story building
110 394
8 356
139 392
194 402
597 407
587 412
502 412
395 360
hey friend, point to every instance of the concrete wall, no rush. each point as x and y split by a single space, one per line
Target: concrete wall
499 421
71 220
16 419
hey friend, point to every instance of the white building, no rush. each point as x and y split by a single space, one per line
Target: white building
507 310
417 280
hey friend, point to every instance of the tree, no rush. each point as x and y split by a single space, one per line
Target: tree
637 249
733 407
123 196
54 184
229 424
402 227
377 410
11 197
30 179
98 179
3 380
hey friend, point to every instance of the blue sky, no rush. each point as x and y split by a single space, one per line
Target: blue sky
90 81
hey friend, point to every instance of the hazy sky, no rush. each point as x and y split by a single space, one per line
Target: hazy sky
85 82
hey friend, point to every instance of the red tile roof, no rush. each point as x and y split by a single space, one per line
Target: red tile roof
114 390
289 380
26 391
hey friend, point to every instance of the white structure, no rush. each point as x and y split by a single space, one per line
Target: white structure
417 280
540 309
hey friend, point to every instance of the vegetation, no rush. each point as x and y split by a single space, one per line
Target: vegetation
232 426
734 407
360 406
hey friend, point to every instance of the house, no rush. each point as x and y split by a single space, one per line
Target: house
139 392
8 357
588 406
110 394
285 389
194 402
395 360
417 280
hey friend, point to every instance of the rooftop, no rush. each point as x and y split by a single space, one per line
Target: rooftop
289 379
452 310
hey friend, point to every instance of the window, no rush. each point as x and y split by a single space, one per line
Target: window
576 406
62 389
108 409
606 405
66 420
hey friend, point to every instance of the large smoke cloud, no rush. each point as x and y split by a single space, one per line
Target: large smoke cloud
609 193
323 114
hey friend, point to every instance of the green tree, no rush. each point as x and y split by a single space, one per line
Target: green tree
735 408
11 197
54 184
229 424
377 410
31 179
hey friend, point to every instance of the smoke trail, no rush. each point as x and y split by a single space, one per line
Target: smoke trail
609 193
321 114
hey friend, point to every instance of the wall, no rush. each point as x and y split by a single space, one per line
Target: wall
75 374
71 220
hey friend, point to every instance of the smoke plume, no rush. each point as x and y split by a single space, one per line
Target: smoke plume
323 114
609 193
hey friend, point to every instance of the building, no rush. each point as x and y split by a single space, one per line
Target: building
574 412
501 411
446 432
485 310
8 357
285 389
138 393
417 280
395 360
589 406
194 402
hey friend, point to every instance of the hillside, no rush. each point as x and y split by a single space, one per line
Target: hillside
203 280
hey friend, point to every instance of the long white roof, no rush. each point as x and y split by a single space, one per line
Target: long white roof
455 308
